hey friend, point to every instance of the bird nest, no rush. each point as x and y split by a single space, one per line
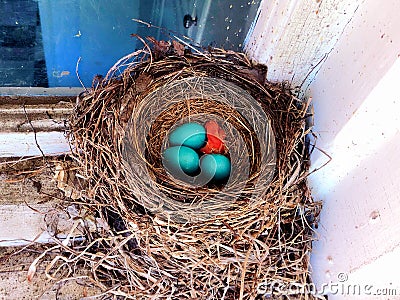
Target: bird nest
190 99
170 239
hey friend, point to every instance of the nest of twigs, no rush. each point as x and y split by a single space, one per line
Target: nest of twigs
168 239
198 98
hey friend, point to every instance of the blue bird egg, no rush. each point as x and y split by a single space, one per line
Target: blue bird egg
191 135
179 160
215 166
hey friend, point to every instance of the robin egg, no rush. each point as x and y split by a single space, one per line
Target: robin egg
180 159
191 135
215 166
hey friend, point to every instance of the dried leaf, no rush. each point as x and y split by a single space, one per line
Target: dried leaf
179 48
164 46
160 48
65 176
258 75
32 270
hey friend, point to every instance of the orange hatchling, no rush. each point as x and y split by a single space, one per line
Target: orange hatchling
215 139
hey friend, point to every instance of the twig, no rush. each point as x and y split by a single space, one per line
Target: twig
77 73
34 132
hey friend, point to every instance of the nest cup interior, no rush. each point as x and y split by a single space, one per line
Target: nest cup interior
249 139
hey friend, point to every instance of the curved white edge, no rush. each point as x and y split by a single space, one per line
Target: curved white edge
345 54
357 120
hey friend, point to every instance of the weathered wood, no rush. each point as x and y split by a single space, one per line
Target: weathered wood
14 285
30 204
293 37
33 187
19 144
32 123
34 129
36 95
43 117
23 224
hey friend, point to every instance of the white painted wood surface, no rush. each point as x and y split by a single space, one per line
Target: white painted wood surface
22 209
357 117
18 144
294 37
357 113
30 206
15 286
24 108
20 224
378 279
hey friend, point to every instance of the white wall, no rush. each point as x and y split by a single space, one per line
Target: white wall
293 37
357 118
350 52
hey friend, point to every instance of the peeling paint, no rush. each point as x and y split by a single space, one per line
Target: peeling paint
59 74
